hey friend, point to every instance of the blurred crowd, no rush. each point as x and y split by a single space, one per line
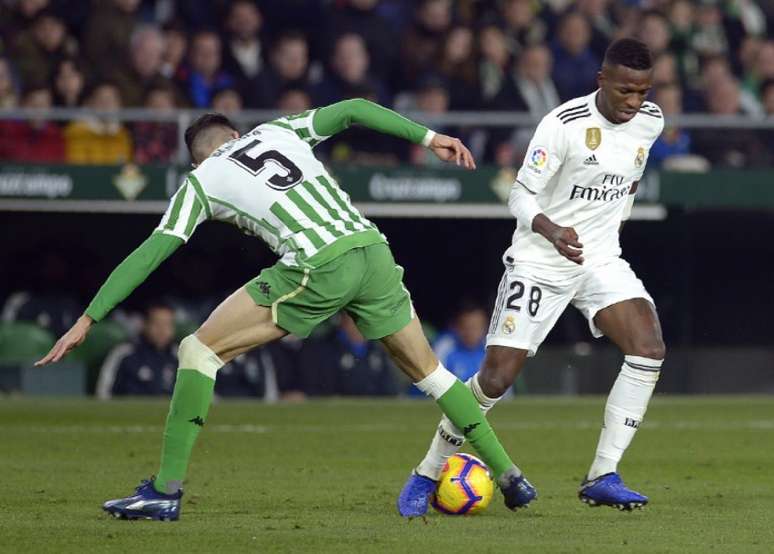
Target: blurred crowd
434 56
135 354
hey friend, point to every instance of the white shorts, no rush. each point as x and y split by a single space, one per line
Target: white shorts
530 301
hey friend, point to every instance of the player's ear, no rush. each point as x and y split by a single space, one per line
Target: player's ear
234 134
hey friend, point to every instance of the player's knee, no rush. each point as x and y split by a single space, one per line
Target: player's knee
494 383
194 354
653 349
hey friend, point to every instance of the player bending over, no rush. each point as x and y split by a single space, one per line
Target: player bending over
572 193
269 184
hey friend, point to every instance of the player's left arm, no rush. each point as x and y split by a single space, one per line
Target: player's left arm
337 117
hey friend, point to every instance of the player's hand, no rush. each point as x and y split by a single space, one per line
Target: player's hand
450 149
565 240
69 340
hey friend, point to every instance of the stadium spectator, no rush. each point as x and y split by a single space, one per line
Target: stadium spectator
99 139
349 72
269 373
34 140
176 44
674 141
717 71
665 70
18 16
533 80
724 147
362 17
294 100
146 48
767 97
762 69
227 101
461 348
288 68
575 65
107 35
432 98
498 91
343 362
522 27
458 66
423 42
243 55
709 37
203 75
36 50
69 83
603 28
682 17
655 32
8 88
156 142
145 366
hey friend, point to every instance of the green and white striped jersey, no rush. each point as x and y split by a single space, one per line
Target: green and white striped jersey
270 185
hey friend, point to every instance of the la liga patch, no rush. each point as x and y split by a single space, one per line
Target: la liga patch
537 159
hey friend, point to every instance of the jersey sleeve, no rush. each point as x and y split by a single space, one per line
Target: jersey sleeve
337 117
130 273
657 130
301 125
545 154
186 210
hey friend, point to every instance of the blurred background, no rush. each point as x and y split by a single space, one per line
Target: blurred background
95 96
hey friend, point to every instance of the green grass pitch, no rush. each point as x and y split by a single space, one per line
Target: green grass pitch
323 477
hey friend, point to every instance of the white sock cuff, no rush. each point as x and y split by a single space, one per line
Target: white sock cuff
483 400
194 354
437 383
643 364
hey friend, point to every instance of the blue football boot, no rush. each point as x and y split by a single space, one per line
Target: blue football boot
518 492
146 503
609 490
415 496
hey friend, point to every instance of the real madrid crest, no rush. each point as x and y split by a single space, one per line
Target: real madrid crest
593 137
640 159
509 325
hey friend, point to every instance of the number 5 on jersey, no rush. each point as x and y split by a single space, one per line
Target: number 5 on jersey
288 176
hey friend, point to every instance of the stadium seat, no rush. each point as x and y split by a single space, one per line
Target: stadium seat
22 343
103 337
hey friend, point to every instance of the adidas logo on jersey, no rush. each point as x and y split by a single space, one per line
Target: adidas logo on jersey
591 160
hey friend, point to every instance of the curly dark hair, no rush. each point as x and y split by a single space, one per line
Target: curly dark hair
629 52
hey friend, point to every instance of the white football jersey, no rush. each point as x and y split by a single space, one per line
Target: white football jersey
270 185
581 168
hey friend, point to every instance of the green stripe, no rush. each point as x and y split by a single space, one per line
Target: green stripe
340 201
176 208
281 124
303 132
295 226
261 222
313 142
197 208
312 214
200 193
310 188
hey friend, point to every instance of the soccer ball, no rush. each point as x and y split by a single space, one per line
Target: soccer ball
465 486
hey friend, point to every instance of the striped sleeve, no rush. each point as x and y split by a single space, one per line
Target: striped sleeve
185 212
301 124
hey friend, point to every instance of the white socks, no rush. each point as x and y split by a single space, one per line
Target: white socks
437 383
448 439
625 408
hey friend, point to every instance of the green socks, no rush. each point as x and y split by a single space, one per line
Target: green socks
187 415
461 407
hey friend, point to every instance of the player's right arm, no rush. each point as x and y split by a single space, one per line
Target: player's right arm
187 208
545 155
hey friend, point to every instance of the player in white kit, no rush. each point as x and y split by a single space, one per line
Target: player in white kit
572 193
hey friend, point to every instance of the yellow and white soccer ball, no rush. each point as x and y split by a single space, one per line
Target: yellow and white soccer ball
465 486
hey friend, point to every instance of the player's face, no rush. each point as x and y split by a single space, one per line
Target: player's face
623 91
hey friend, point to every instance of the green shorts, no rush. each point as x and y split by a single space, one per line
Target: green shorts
365 282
